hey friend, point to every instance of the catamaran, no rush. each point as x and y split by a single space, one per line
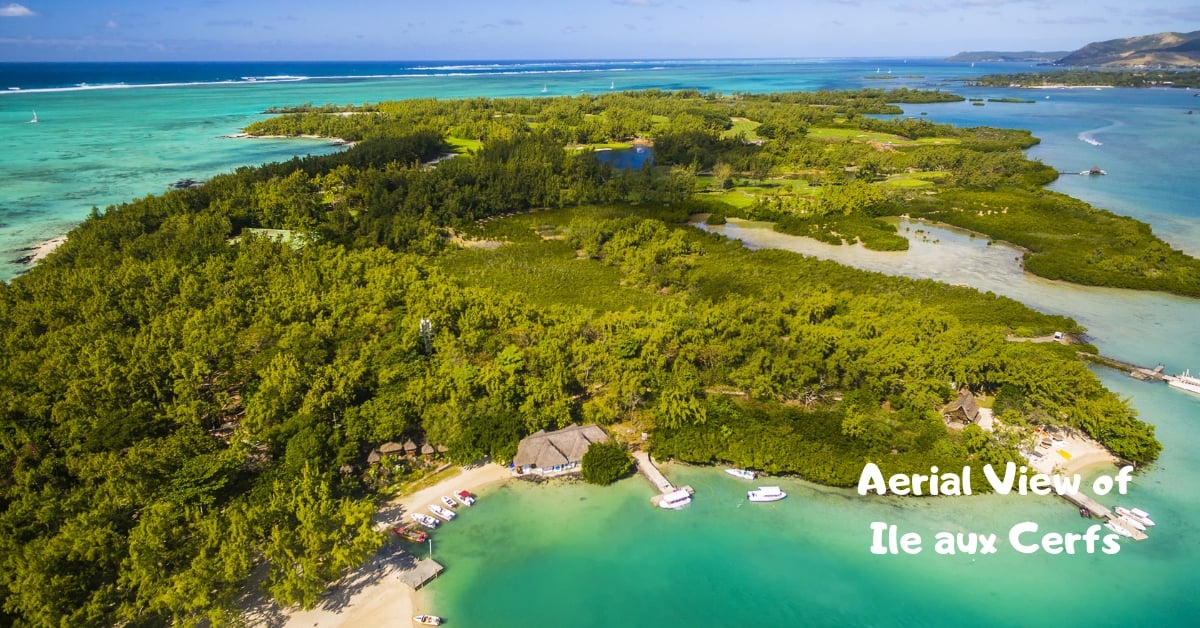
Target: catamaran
1185 381
675 500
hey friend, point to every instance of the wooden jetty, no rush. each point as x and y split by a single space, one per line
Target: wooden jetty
421 572
646 467
1099 510
1137 372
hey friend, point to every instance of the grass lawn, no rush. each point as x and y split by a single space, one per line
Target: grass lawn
463 145
742 126
858 135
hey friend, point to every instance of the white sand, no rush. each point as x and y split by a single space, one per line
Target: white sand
1084 453
372 595
46 248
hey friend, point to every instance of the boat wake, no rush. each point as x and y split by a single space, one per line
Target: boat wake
1089 136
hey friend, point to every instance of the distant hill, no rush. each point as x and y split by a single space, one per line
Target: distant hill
1161 49
991 56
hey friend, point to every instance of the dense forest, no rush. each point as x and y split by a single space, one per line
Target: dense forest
1089 77
192 384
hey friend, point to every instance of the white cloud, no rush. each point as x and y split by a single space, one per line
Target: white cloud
111 24
16 10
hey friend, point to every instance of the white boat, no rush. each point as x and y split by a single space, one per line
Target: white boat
425 520
428 620
1185 381
741 473
612 85
1131 522
544 88
449 501
766 494
465 498
675 500
444 513
1133 514
34 120
1139 512
1118 529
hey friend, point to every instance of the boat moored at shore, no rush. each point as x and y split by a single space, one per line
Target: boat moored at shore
742 473
675 500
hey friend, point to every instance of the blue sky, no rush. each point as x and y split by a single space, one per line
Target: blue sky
137 30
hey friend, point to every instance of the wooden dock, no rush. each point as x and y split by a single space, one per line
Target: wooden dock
1099 510
420 572
646 467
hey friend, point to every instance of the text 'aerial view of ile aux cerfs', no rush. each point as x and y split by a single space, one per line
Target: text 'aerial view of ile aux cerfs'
599 313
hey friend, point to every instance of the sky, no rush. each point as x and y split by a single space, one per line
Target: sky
216 30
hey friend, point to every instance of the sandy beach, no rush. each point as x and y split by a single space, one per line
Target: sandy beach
1081 453
372 595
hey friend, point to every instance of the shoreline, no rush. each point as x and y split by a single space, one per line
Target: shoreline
371 595
337 141
39 251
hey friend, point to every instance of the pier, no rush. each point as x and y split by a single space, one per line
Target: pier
646 467
1137 372
420 572
1098 510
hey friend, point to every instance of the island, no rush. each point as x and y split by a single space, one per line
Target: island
219 385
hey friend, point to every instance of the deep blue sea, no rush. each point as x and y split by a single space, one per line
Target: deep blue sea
601 557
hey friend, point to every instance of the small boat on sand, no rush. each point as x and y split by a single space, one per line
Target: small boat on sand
464 498
428 620
425 520
449 501
410 534
741 473
444 513
766 494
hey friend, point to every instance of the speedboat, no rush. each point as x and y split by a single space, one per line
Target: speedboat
425 520
1132 514
766 494
1118 529
741 473
444 513
1131 522
428 620
464 498
449 501
409 534
1141 513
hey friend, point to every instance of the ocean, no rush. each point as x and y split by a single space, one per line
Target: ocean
570 554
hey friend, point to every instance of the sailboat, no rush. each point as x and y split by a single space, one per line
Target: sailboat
544 90
612 85
34 120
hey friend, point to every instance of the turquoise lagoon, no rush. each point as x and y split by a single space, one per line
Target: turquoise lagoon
569 554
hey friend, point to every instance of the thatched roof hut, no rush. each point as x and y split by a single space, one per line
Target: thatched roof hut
964 409
554 452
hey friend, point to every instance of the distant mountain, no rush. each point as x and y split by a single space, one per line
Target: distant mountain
1161 49
986 56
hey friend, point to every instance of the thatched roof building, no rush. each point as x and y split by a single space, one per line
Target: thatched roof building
391 449
963 409
548 453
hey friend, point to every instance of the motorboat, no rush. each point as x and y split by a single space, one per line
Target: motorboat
766 494
1132 514
449 501
1118 529
428 620
425 520
1131 522
1141 513
465 498
741 473
410 534
443 513
675 500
